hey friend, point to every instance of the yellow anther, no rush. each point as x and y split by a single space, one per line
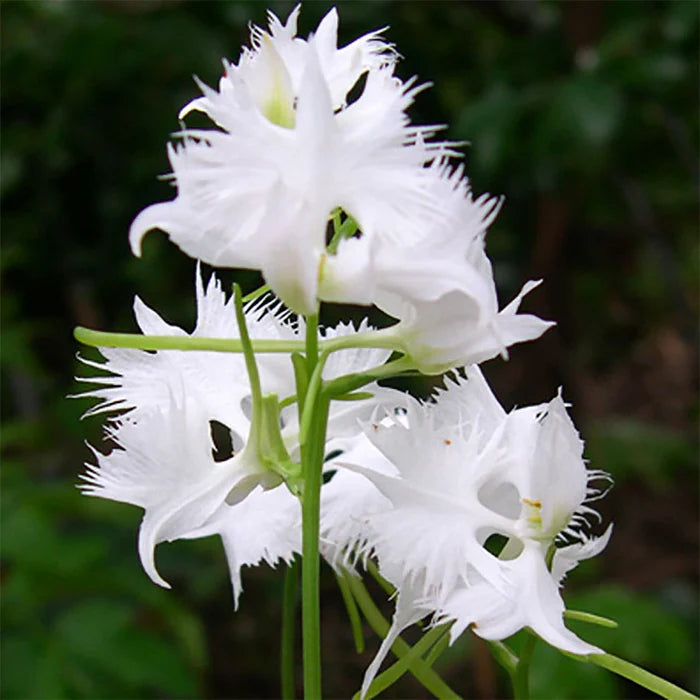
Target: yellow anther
534 504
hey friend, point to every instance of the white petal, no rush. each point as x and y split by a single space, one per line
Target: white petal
567 558
349 275
532 600
164 464
408 611
258 192
151 323
265 526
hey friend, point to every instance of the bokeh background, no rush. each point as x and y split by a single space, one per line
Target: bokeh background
584 114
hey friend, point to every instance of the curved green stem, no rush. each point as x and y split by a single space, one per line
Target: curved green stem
442 643
249 357
590 618
138 341
418 668
256 293
504 656
353 614
383 338
639 675
396 670
521 675
374 573
313 389
289 606
350 382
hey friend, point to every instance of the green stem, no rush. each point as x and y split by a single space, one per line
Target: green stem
353 613
249 356
638 675
590 618
312 453
139 341
504 656
311 343
313 389
350 382
101 339
419 669
374 573
257 293
521 676
396 670
369 339
440 646
289 604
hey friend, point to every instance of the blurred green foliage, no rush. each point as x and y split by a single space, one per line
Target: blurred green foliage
584 114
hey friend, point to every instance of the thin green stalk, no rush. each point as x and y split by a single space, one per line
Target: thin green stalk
442 643
289 611
311 343
249 356
374 573
419 669
638 675
383 338
396 670
521 676
332 246
350 382
301 379
139 341
313 389
312 453
256 293
101 339
590 618
504 656
353 613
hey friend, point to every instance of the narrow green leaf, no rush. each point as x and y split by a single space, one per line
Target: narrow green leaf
395 671
640 676
590 617
353 613
419 669
440 646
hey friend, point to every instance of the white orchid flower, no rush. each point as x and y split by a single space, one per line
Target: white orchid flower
183 432
466 470
291 147
439 286
163 462
264 526
144 380
532 599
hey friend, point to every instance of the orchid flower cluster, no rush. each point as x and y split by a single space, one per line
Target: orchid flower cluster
266 429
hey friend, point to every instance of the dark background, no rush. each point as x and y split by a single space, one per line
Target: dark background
584 114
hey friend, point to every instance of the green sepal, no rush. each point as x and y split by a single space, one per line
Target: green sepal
271 447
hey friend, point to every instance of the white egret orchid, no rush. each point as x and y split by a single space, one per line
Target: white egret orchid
293 144
439 286
182 432
466 470
277 434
